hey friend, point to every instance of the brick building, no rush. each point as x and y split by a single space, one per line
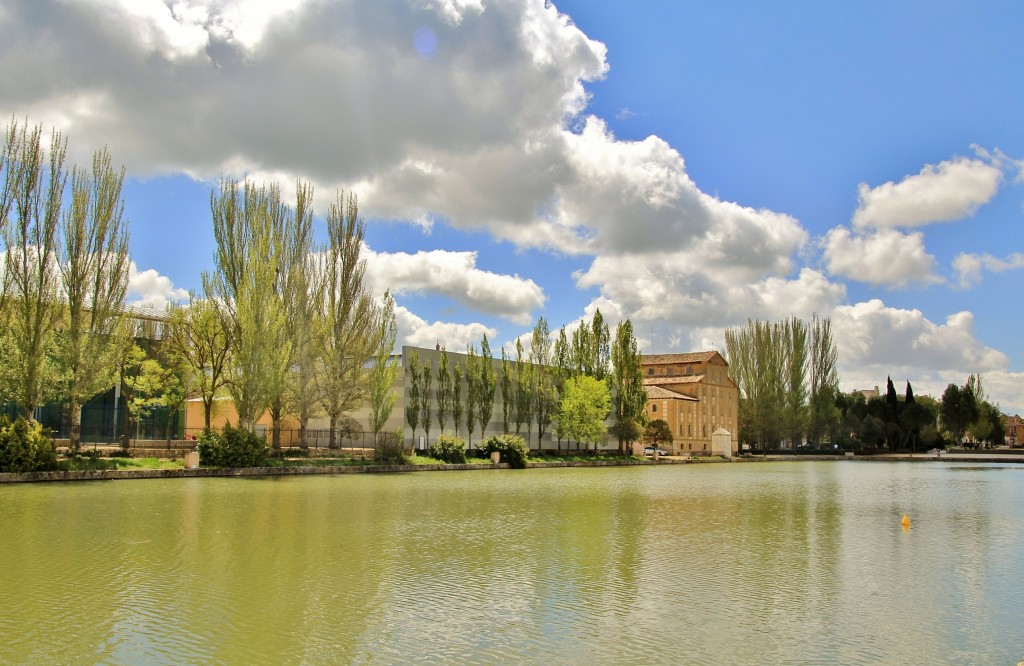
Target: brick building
694 394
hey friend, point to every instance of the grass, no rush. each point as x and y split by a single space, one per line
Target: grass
90 464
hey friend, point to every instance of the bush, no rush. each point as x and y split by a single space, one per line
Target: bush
231 447
390 449
449 449
513 449
24 447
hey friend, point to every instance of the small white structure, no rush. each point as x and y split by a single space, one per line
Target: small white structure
721 443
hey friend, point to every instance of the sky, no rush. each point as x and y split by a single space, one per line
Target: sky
686 165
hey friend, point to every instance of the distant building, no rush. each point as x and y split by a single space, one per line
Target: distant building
695 395
1014 430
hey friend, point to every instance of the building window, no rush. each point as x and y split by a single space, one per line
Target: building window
650 371
654 408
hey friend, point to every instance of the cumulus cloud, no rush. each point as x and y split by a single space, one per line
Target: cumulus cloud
886 257
151 290
951 190
968 267
417 332
455 275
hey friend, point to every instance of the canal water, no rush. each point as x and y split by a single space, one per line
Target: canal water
797 563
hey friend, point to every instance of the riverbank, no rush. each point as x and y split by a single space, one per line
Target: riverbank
203 472
298 470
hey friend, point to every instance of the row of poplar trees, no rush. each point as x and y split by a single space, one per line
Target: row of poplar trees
787 379
571 383
286 324
65 274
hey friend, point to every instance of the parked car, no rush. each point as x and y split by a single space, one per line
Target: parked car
650 451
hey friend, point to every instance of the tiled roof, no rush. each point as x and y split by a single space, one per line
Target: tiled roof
662 380
691 357
658 393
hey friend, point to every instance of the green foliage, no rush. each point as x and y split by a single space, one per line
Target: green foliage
658 432
630 401
513 449
585 405
231 447
24 447
391 450
449 449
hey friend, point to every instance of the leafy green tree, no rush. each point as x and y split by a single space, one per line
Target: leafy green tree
426 378
199 335
545 393
795 393
487 385
958 411
31 192
303 290
583 409
458 374
823 381
473 391
658 432
382 395
630 395
412 393
351 316
93 263
523 391
249 225
506 384
444 390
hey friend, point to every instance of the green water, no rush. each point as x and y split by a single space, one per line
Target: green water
699 564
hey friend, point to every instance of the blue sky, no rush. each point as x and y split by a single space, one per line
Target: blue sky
687 165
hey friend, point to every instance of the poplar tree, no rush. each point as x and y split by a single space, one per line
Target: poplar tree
444 390
474 395
629 402
794 342
93 263
545 398
249 225
507 384
823 381
488 384
382 395
523 391
458 374
426 418
33 183
303 294
412 392
349 313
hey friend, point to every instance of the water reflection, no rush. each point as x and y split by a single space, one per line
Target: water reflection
789 562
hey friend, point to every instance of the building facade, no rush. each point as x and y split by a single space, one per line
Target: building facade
695 395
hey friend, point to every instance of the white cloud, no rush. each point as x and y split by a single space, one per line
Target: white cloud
150 289
886 257
952 190
455 275
417 332
968 267
873 335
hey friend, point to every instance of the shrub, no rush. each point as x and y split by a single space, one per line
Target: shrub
231 447
513 449
449 449
390 449
24 447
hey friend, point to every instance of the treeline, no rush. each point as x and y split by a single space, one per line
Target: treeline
285 325
787 379
569 383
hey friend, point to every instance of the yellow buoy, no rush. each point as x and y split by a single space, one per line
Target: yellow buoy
906 521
